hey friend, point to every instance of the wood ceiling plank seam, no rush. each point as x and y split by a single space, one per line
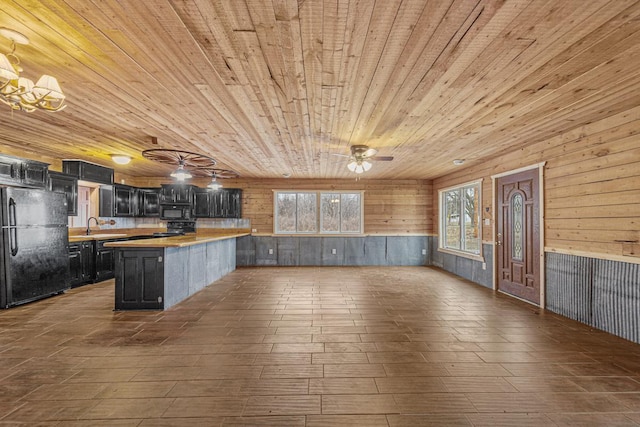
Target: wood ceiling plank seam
237 113
311 26
192 136
358 12
267 96
573 92
430 64
148 113
516 23
494 110
335 24
423 30
202 19
268 38
502 99
357 29
288 28
382 19
405 22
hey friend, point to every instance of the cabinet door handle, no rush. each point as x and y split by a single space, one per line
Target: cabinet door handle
13 231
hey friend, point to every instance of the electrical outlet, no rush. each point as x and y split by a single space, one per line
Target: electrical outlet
270 251
424 252
254 230
484 265
333 251
487 221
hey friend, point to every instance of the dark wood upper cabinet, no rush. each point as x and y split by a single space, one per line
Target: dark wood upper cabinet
125 200
22 172
177 194
68 185
223 203
149 202
88 171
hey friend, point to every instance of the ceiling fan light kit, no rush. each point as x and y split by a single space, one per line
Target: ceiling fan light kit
361 158
20 93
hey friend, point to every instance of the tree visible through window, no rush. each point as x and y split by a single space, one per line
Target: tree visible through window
460 227
308 212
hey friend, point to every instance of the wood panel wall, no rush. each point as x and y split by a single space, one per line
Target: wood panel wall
390 207
592 186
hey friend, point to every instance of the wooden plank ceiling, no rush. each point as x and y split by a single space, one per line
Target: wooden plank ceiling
269 87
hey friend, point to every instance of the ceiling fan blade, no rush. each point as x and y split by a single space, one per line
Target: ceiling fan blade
381 158
370 152
340 155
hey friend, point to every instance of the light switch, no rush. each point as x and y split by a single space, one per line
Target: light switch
487 221
270 251
333 251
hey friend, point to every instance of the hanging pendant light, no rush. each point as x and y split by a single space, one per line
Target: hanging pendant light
214 184
181 173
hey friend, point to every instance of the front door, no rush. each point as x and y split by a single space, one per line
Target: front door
518 235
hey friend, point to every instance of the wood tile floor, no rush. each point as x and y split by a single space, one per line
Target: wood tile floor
370 346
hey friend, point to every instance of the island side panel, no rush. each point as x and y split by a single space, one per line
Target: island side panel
190 269
176 275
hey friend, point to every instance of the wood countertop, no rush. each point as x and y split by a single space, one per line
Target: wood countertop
176 241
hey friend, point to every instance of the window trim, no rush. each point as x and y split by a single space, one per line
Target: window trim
441 226
318 231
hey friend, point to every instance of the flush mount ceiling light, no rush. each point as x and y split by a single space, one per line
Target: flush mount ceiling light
121 159
20 93
458 162
189 164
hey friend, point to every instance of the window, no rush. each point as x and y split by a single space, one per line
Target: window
460 228
318 212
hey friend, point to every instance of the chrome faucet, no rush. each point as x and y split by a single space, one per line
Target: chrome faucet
89 222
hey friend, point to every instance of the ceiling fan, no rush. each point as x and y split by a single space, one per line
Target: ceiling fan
361 158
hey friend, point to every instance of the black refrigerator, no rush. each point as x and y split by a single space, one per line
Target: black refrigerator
34 245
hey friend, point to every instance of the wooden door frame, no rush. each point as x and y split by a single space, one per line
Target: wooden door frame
494 202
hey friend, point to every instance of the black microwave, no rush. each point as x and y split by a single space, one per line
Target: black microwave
175 212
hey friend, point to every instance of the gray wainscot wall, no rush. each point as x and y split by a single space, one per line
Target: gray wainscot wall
325 250
604 294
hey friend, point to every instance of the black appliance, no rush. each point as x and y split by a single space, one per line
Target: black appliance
181 227
175 212
34 252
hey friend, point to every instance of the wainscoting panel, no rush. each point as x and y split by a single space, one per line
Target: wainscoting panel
601 293
316 251
468 268
616 298
569 287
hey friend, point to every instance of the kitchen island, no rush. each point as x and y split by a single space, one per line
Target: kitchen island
155 274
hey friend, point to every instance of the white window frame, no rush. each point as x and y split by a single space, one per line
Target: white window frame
318 231
442 225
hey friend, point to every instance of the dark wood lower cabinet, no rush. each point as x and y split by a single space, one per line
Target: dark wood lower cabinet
139 279
105 262
81 261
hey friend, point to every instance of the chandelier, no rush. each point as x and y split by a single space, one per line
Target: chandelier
20 93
